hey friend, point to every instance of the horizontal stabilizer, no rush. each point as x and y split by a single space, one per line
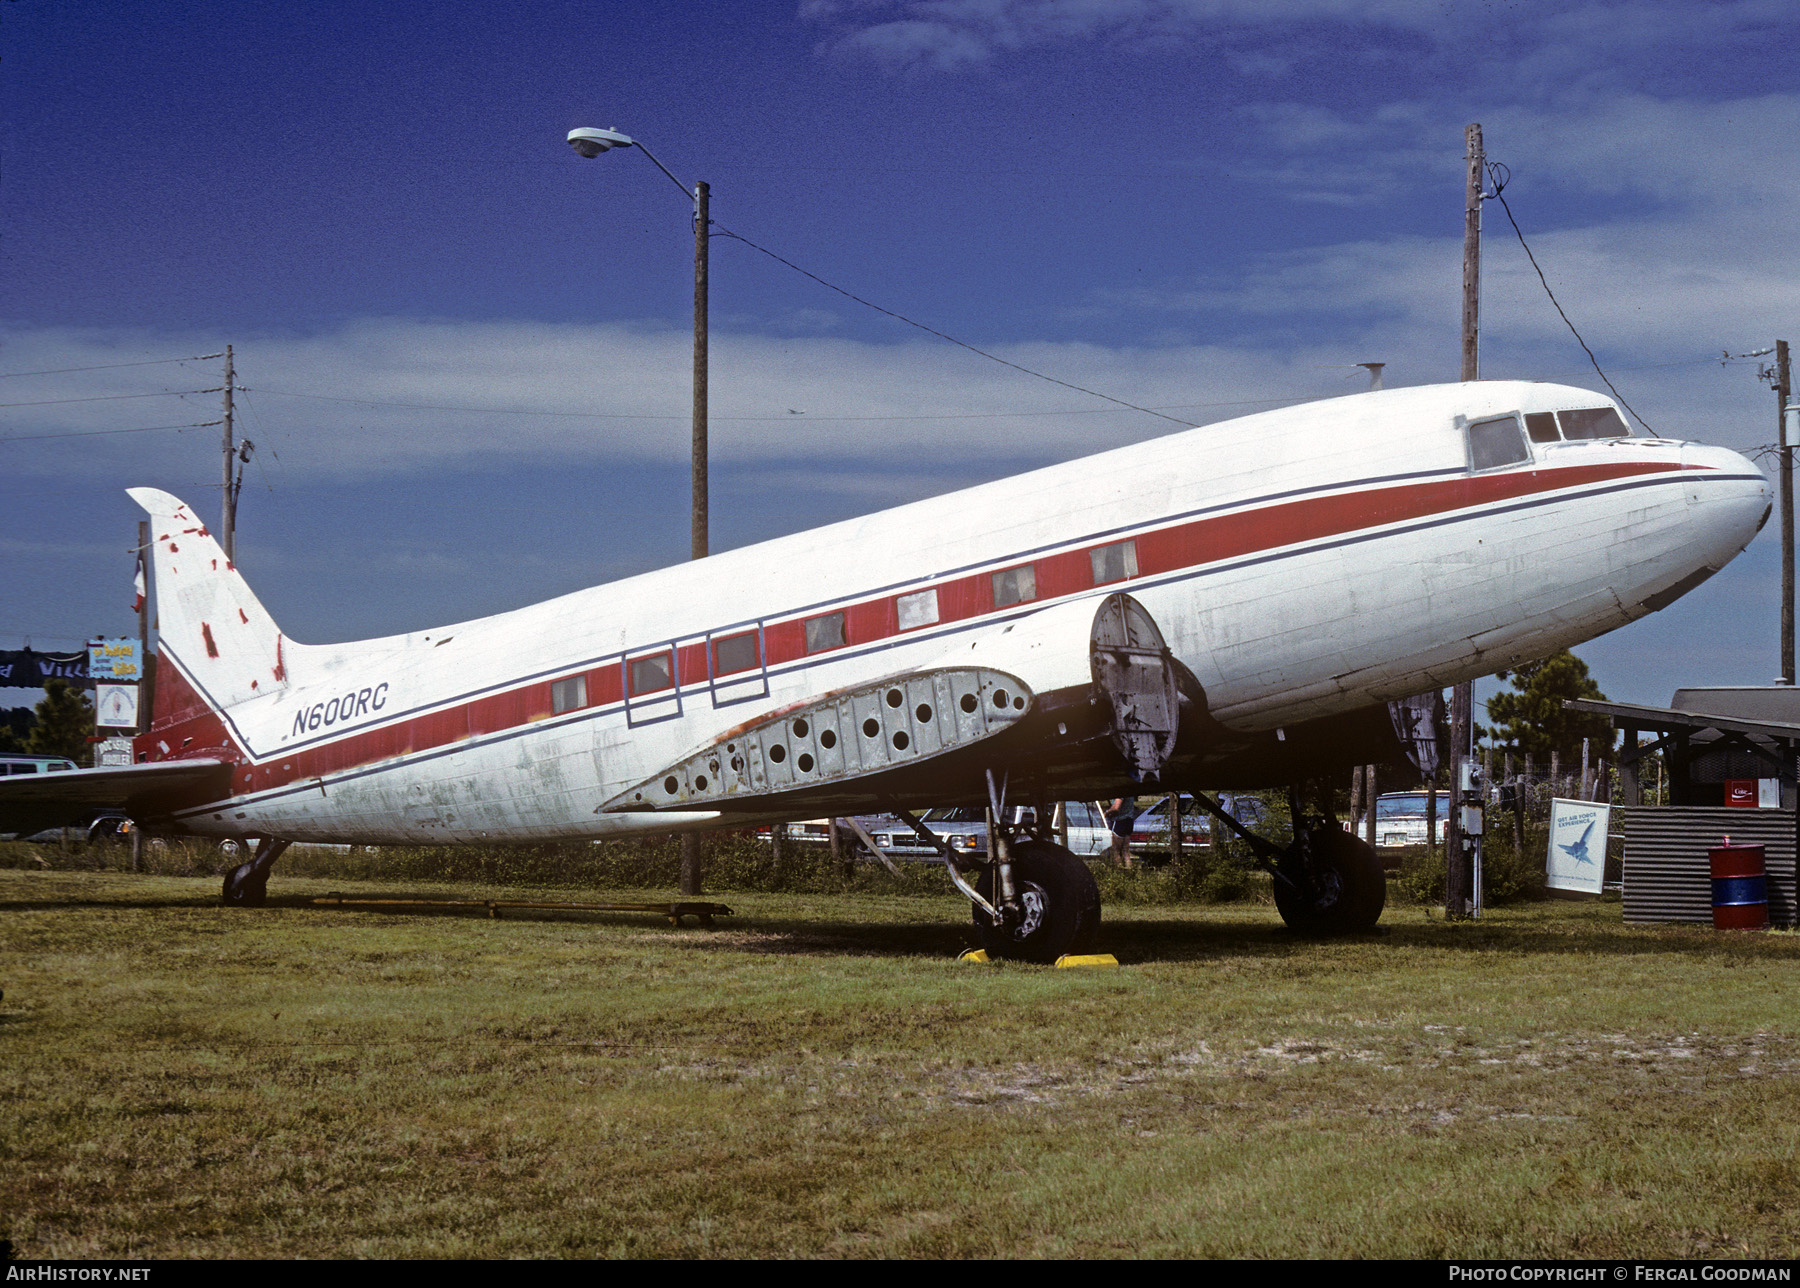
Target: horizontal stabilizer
839 738
32 802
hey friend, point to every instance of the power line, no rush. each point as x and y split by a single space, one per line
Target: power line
56 402
791 416
1495 171
109 366
939 334
90 433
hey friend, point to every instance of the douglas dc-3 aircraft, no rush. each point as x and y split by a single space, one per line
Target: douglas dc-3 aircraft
1235 605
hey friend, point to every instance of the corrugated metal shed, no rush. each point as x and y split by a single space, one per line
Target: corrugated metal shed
1667 876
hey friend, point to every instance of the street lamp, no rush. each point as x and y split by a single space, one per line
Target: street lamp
591 142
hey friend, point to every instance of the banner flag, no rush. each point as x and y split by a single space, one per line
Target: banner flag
28 668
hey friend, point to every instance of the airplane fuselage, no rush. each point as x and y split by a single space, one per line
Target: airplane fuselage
1301 564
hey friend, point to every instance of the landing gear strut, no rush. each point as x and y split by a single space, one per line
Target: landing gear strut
247 885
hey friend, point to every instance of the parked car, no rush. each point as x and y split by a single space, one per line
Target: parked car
1400 819
15 763
965 828
110 825
817 831
1150 833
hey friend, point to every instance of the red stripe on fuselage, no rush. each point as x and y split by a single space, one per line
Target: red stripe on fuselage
1183 545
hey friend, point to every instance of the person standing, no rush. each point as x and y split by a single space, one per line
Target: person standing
1121 815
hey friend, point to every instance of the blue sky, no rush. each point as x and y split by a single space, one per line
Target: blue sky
465 350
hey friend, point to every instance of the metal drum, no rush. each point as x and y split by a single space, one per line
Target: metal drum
1740 893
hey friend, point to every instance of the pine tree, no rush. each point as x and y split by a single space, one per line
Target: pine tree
1531 719
65 722
15 727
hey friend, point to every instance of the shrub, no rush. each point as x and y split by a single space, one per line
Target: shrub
1506 875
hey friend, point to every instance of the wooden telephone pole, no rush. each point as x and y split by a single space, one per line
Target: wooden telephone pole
1459 884
228 508
1783 390
691 860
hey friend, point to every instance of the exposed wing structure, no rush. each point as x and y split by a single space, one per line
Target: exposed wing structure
1088 681
32 802
832 743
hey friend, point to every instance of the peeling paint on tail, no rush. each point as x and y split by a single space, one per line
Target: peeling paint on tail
210 624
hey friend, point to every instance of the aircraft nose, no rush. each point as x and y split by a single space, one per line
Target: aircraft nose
1729 498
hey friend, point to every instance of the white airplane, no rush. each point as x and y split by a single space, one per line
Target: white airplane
1234 605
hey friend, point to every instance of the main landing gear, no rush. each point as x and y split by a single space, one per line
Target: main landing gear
1331 884
1057 909
247 885
1033 900
1327 881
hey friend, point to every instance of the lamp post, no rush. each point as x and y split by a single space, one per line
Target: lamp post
591 142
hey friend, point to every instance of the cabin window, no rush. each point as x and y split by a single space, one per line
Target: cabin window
824 632
1596 422
739 653
1541 425
1015 585
917 610
648 674
1115 562
568 695
1496 443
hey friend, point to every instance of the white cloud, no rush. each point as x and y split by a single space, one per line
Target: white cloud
932 45
387 398
1544 44
1665 228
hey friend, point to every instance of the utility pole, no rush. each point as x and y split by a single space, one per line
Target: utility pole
1365 774
1783 389
690 842
702 201
228 509
146 676
1459 891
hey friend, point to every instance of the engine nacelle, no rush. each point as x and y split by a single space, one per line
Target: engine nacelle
1115 647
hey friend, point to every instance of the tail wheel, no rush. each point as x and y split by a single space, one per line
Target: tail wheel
1341 888
245 887
1061 906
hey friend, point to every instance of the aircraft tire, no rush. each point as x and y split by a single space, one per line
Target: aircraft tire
245 887
1348 887
1062 906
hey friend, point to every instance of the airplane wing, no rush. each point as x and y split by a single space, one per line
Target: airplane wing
1080 682
32 802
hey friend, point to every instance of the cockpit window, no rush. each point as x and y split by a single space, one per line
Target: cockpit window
1541 425
1497 442
1598 422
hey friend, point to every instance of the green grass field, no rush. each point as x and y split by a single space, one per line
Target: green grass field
817 1076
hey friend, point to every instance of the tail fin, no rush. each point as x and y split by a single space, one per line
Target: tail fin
208 620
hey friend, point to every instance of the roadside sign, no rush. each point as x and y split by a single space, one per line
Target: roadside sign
118 660
115 706
1577 845
112 751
